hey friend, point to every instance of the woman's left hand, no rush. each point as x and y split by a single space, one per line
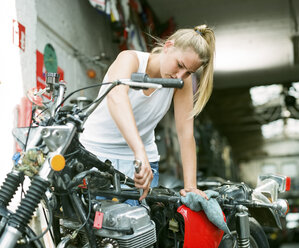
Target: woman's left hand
183 192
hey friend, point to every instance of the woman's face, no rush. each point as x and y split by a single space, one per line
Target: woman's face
178 63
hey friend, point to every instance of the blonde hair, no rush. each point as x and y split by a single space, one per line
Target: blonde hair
202 40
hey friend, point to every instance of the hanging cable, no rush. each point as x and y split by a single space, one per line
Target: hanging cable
84 88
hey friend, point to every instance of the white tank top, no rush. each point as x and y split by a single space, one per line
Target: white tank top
101 135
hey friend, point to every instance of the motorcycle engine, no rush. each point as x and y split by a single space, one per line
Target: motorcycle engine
123 225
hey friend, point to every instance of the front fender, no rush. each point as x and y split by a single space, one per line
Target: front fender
266 217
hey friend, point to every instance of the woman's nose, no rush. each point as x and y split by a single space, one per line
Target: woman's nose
181 74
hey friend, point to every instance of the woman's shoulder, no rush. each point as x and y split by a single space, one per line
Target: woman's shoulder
127 56
131 58
126 60
131 54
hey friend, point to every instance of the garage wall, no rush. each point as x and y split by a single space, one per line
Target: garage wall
76 31
281 157
17 68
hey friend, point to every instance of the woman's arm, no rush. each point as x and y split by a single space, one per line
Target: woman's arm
121 111
183 104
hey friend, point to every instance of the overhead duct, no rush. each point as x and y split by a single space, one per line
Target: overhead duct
295 40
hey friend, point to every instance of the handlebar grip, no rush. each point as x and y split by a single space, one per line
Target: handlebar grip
165 82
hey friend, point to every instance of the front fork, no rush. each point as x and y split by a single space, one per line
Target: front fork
19 220
242 227
7 191
9 187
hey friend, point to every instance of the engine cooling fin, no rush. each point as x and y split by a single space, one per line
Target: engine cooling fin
109 243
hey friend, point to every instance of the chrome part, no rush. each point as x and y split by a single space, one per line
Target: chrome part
64 242
57 88
109 243
241 208
57 105
232 240
280 180
282 207
52 78
124 217
131 83
266 193
242 227
10 237
45 170
57 138
130 226
265 196
269 188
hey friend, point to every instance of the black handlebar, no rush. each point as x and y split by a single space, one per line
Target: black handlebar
165 82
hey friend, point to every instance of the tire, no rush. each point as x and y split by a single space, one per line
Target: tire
258 238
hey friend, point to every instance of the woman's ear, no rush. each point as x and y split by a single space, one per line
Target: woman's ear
168 44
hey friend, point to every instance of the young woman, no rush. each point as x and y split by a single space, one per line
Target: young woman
121 129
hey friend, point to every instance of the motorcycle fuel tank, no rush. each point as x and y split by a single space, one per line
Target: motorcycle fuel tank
199 230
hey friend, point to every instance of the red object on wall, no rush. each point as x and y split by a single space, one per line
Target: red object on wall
41 71
199 231
24 112
18 34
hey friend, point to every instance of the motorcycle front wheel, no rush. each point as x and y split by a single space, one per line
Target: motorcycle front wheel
258 238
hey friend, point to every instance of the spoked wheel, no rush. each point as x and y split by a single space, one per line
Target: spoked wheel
258 238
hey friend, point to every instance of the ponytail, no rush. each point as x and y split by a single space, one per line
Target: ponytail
205 86
201 40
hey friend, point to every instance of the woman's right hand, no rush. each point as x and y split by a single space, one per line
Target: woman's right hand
144 178
121 112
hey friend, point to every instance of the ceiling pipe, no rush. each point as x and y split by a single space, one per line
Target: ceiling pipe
295 38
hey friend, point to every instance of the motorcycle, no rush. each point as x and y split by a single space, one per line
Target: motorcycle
85 201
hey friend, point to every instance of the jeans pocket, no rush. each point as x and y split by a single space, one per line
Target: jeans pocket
155 170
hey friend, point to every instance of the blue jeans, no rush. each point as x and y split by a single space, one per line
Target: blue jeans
127 168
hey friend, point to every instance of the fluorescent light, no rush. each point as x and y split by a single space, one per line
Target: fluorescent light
272 129
240 48
262 94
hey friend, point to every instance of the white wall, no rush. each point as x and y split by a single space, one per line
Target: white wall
74 25
282 157
67 25
16 69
